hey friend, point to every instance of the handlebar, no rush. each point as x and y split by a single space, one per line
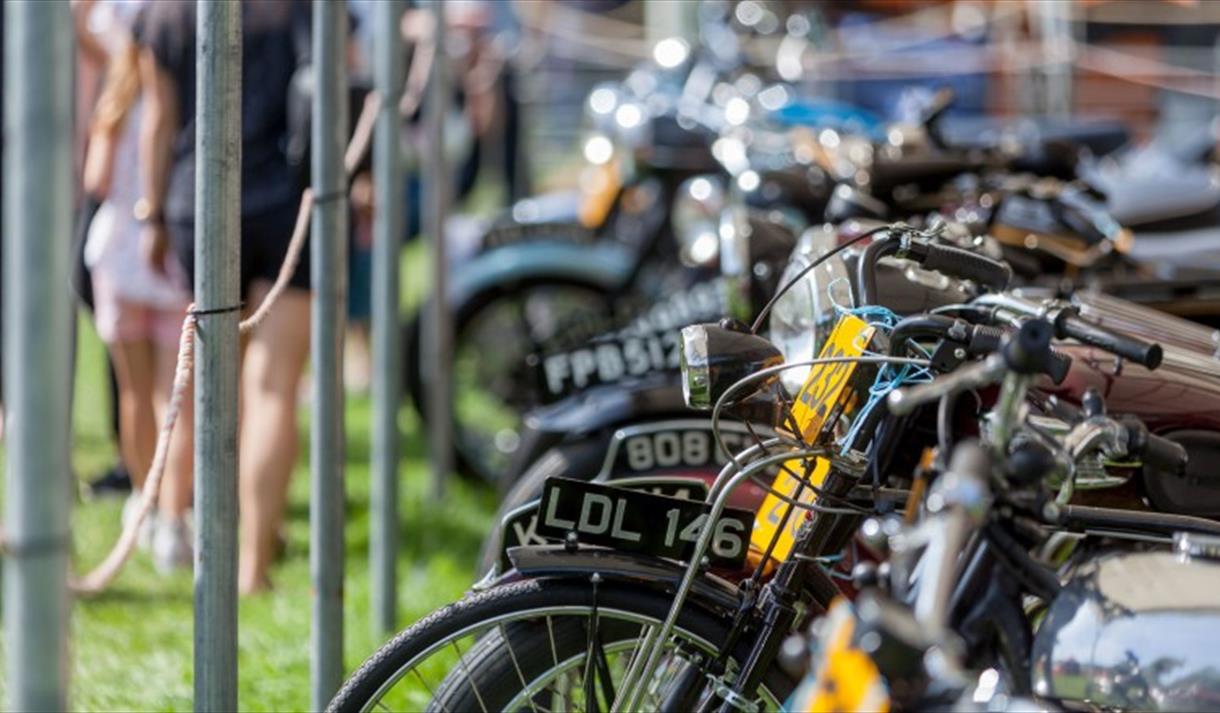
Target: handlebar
946 259
1069 326
974 376
1026 352
976 339
967 265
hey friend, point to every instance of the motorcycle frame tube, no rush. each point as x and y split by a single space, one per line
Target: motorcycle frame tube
1108 520
629 699
826 534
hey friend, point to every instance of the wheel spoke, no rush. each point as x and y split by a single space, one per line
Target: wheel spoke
631 673
517 666
431 695
550 632
470 679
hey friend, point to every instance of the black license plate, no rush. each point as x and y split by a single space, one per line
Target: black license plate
635 521
520 527
677 448
605 361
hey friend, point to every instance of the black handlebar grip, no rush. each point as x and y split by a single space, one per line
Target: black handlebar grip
1028 350
1149 354
1157 452
968 265
985 339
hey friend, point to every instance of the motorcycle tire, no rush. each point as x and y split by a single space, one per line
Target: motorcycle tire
518 630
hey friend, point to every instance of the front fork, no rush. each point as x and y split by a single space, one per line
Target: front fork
802 568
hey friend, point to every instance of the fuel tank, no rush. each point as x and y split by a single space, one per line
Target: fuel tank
1179 400
1135 631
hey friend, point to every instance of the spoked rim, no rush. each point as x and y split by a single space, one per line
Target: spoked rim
491 387
566 675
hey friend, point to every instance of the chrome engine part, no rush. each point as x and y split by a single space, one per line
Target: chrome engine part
1136 631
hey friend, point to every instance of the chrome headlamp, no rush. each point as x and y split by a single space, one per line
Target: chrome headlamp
801 320
716 356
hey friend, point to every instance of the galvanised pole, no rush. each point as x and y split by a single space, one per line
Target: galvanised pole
439 328
329 277
217 295
388 225
38 362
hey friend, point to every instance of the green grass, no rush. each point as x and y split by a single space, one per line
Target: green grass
131 648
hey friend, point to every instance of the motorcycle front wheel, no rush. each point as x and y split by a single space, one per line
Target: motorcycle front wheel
539 645
494 334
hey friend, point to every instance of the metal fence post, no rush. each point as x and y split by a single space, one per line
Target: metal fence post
439 329
388 225
329 277
217 288
38 363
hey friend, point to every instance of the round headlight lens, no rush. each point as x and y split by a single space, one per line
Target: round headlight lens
803 317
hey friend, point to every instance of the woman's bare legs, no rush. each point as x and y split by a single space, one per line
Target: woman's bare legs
135 370
270 378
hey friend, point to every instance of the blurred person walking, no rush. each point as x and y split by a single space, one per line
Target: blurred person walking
138 311
275 44
102 29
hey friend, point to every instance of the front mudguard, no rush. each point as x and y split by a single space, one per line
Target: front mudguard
605 265
595 411
715 594
549 216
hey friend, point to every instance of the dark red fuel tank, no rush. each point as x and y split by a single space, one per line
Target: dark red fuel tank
1180 400
1184 393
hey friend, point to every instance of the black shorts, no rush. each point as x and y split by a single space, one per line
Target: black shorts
264 244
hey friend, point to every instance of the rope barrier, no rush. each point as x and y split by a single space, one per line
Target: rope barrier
97 580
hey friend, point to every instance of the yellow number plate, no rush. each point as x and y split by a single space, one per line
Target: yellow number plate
825 395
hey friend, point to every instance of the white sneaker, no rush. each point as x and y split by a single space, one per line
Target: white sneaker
171 546
132 506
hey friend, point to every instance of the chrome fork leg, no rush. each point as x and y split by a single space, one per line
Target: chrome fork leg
630 697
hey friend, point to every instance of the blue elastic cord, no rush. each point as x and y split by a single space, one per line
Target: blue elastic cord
889 376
